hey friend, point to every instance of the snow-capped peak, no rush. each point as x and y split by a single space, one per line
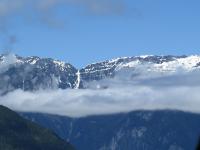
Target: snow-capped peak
145 56
188 64
162 63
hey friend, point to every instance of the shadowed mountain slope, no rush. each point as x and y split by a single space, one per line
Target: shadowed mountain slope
17 133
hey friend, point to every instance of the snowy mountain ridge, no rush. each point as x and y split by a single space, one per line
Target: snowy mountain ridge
159 62
32 73
164 63
141 65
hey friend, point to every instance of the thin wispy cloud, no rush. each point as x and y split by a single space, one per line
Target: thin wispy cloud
93 7
45 12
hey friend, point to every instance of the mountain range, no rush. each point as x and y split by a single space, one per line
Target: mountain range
137 130
33 73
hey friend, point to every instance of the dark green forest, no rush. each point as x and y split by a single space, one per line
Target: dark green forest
17 133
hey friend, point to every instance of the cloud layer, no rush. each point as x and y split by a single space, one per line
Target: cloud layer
179 91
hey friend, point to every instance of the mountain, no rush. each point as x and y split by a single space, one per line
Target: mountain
138 130
198 146
33 73
17 133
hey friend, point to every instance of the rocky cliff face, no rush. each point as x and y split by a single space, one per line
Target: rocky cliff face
33 73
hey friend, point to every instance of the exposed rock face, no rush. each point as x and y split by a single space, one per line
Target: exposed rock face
33 73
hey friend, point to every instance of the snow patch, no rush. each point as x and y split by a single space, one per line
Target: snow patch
61 64
128 65
78 81
145 56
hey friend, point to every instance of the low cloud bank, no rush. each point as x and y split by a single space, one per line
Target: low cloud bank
178 91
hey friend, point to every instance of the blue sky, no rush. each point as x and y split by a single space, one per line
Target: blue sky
85 31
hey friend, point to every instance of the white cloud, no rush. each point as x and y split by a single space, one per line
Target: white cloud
7 60
120 97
